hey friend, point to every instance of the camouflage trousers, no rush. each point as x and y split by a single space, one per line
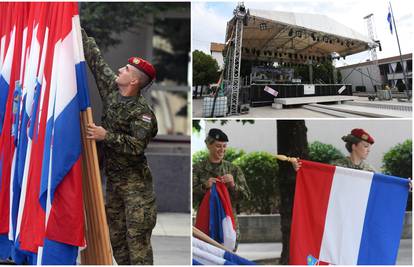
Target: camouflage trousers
131 214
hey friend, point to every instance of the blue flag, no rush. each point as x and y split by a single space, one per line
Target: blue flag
389 18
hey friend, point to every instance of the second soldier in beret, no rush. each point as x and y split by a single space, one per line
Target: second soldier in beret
358 143
206 173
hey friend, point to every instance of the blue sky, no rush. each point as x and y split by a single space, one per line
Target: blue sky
209 20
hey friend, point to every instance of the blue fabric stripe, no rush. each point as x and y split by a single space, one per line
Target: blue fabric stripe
4 92
195 262
21 257
229 263
383 222
45 164
5 247
82 83
56 253
237 259
217 216
67 143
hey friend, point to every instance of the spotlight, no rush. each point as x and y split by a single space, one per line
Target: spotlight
262 26
299 34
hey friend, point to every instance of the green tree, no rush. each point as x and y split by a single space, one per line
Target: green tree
324 153
205 69
398 160
104 22
261 172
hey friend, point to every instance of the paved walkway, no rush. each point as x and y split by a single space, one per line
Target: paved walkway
268 253
171 239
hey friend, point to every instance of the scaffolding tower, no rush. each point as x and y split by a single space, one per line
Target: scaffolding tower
369 19
234 60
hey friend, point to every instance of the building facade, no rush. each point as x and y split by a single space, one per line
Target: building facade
370 76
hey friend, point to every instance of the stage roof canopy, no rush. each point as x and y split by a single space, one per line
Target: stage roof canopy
296 37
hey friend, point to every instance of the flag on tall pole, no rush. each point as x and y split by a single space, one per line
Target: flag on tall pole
42 91
345 216
389 18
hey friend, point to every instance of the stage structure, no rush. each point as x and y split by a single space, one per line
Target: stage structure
279 40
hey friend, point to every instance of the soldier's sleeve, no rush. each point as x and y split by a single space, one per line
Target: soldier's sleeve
241 189
143 130
198 187
104 76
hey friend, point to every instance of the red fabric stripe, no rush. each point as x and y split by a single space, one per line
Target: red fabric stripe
66 222
313 186
6 142
203 215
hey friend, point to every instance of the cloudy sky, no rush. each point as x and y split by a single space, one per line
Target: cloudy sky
209 21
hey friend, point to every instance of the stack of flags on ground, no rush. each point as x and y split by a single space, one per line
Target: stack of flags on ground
346 217
215 216
206 254
42 91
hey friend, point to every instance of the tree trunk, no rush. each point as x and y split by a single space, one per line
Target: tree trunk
291 141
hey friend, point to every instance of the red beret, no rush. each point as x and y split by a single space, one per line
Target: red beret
363 135
143 66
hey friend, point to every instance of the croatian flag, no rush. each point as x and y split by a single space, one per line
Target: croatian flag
42 91
207 254
215 216
346 216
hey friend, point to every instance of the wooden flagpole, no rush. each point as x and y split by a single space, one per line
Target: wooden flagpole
202 236
98 250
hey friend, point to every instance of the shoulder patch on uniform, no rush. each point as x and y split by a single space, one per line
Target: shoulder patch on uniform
146 118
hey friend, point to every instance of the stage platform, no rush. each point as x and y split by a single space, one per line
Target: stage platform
313 100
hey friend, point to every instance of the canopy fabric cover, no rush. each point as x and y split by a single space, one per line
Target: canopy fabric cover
296 37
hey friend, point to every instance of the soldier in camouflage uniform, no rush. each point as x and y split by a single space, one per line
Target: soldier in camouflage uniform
128 125
358 143
206 172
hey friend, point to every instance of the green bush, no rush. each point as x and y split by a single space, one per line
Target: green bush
231 155
261 172
200 156
324 153
398 160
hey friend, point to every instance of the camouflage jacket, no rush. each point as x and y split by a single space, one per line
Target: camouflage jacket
205 169
129 121
347 163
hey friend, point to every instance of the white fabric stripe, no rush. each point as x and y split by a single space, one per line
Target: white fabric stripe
25 52
229 234
77 42
345 216
207 257
6 68
208 248
11 233
66 74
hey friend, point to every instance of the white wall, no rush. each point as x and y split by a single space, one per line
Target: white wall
261 136
218 56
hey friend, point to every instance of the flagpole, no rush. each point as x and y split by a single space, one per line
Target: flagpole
401 59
